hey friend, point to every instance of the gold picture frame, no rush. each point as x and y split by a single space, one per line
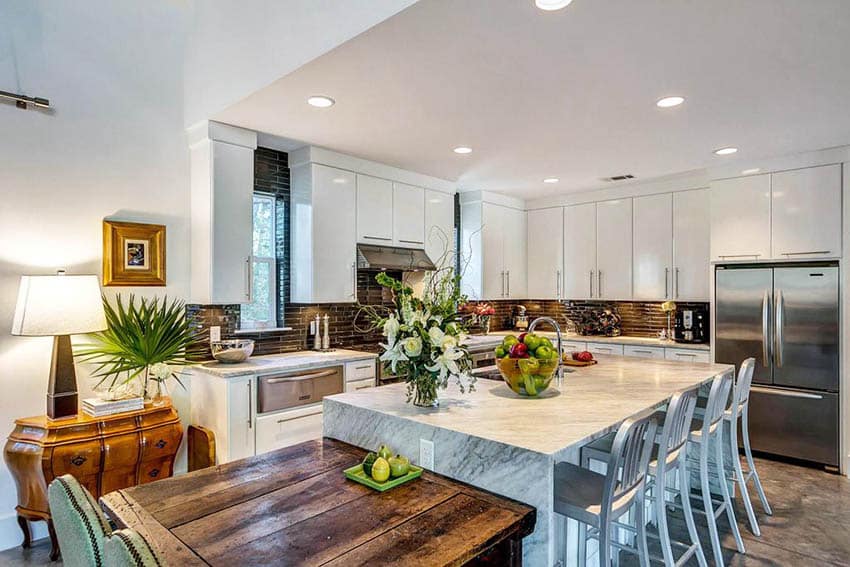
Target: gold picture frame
133 254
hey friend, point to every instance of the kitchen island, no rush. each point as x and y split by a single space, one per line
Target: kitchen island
498 441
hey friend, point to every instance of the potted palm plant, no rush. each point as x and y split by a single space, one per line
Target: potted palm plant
146 343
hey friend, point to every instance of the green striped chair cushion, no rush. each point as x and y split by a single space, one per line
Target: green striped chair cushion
80 525
126 548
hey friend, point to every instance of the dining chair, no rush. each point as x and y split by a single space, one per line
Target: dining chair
126 548
80 525
598 501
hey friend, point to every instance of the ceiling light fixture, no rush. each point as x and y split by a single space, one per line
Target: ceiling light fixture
751 171
670 101
551 180
552 5
462 150
725 151
321 101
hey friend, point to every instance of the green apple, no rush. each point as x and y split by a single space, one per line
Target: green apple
399 466
532 341
509 341
500 352
544 352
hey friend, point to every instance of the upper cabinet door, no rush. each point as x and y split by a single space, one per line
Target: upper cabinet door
408 216
653 247
691 235
614 249
545 256
740 218
493 278
374 210
439 228
515 237
579 252
807 213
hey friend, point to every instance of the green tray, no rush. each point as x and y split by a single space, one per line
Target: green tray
356 474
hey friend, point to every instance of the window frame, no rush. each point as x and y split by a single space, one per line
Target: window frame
271 261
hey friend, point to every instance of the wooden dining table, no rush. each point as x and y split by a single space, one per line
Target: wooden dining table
294 506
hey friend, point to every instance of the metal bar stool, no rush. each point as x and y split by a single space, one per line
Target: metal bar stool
596 501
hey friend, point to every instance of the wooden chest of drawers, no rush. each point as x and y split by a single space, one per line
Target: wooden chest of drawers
103 453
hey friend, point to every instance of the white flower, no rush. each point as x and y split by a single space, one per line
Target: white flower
412 346
420 317
391 328
393 354
160 371
446 363
440 339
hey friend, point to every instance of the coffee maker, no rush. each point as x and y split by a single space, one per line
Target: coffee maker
691 325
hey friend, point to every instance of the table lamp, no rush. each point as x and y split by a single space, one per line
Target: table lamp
59 306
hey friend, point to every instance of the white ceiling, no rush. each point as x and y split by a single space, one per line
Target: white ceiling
571 94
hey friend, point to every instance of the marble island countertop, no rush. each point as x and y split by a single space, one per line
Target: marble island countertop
299 360
496 336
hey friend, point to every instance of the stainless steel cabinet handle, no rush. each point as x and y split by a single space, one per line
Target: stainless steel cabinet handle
411 241
250 413
300 377
642 351
378 238
666 279
363 387
765 326
779 328
786 393
285 419
354 280
558 284
599 283
364 367
686 354
591 284
509 282
676 286
249 276
805 253
721 256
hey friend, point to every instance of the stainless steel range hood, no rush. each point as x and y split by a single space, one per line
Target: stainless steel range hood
370 257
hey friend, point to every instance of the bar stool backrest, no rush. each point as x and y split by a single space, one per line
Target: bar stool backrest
677 423
718 397
745 380
628 462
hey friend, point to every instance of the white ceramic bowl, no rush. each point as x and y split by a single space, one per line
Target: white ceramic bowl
232 351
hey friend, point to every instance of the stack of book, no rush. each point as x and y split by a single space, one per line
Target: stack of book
96 407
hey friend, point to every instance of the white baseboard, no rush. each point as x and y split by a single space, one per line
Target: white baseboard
11 535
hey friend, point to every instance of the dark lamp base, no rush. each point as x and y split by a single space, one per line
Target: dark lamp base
62 387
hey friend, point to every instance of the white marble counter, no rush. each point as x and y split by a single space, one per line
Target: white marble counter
496 336
498 441
300 360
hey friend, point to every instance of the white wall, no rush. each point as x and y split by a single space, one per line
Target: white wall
114 147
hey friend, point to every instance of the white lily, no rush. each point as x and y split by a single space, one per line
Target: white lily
393 354
412 346
446 363
391 328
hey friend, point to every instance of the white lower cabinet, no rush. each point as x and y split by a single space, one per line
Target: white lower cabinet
360 370
687 355
227 407
359 385
289 427
643 352
573 346
605 348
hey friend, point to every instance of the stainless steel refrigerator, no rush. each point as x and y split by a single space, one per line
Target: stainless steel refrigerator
787 318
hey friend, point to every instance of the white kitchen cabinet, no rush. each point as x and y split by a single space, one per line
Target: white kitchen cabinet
614 249
653 247
492 258
806 221
374 210
656 353
545 256
605 348
408 216
686 355
740 218
360 385
573 346
360 370
579 251
323 235
515 235
439 228
283 429
691 245
222 191
227 407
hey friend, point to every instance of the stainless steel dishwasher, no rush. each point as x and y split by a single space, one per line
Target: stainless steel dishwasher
289 405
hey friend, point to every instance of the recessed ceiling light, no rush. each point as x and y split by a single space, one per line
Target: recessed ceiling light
462 150
551 180
751 171
669 101
725 151
550 5
321 101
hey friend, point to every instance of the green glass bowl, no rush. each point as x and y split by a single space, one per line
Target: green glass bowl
527 376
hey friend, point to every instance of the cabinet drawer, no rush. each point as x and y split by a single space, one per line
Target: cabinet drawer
360 385
687 355
359 370
77 459
118 478
120 451
604 348
643 352
161 442
150 471
574 346
288 428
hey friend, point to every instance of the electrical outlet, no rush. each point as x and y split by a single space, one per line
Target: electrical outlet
426 454
215 334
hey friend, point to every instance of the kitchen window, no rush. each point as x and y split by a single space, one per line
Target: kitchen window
261 313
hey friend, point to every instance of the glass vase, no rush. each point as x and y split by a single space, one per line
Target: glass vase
425 392
160 393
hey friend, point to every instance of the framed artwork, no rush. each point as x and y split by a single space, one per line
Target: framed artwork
133 254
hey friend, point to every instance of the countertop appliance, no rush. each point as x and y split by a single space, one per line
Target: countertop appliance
691 325
786 317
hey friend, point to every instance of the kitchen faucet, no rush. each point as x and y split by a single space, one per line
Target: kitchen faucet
557 327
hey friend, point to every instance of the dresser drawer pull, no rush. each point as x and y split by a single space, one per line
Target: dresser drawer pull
154 473
161 443
78 460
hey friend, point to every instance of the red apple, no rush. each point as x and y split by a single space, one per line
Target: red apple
519 350
521 338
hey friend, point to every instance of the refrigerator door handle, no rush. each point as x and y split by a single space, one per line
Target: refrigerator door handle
765 326
778 329
786 393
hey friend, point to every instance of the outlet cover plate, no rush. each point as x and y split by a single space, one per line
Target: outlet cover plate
215 334
426 454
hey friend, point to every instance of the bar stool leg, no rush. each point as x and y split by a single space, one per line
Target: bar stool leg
605 545
640 523
582 544
684 492
739 476
660 508
709 507
745 433
724 489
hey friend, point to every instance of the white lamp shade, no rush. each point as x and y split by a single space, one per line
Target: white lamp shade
58 305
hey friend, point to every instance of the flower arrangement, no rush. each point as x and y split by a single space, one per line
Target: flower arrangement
479 313
424 336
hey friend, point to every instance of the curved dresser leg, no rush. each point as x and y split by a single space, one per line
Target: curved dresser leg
54 543
25 527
